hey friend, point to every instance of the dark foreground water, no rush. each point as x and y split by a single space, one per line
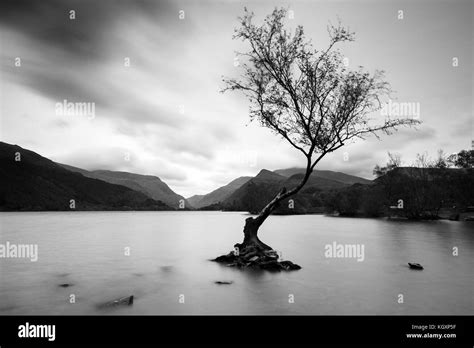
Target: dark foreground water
169 254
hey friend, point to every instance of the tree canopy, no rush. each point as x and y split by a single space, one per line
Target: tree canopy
305 95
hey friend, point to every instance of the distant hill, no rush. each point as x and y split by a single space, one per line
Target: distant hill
414 193
409 192
268 176
150 185
325 174
218 195
37 183
257 192
194 200
314 183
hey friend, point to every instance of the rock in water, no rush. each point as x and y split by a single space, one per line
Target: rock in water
273 266
289 266
415 266
122 301
220 282
229 258
65 285
251 257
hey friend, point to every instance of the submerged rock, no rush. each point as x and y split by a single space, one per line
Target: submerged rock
122 301
220 282
65 285
415 265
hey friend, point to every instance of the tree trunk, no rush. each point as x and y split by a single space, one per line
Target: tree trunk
252 252
250 235
253 224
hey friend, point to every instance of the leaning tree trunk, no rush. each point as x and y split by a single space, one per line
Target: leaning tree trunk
252 252
253 224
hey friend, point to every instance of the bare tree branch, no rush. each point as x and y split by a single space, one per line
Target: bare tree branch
306 96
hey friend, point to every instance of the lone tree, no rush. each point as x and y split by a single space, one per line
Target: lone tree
306 96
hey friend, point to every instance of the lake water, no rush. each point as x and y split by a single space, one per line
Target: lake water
169 253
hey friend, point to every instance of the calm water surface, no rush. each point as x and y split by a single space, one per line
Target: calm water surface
169 254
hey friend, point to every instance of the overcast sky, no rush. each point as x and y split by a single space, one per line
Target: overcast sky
163 115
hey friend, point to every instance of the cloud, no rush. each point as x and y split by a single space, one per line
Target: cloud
112 158
464 128
49 23
82 60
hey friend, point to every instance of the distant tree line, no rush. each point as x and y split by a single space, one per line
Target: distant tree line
462 159
424 190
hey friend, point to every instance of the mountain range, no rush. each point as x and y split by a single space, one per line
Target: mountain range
33 182
150 185
255 193
218 195
325 174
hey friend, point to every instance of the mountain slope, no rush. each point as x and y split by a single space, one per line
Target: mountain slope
255 193
194 200
325 174
37 183
259 191
248 193
218 195
150 185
